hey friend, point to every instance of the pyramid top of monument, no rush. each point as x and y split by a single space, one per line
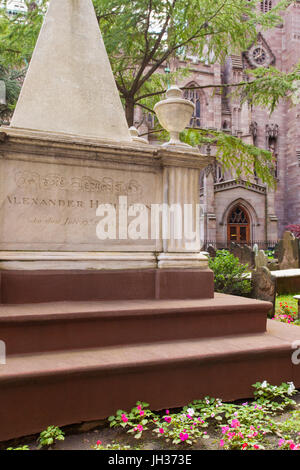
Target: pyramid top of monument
69 87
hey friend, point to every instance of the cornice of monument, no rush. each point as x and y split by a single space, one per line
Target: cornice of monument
65 145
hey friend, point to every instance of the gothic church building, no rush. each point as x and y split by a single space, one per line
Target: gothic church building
234 211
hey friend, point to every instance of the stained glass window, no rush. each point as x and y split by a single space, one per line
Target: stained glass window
238 216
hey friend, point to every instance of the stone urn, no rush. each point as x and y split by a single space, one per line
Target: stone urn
174 114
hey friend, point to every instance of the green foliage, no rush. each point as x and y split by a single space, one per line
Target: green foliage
12 86
142 33
185 427
269 254
25 447
286 298
290 428
19 34
243 426
268 86
50 436
234 154
136 421
286 314
113 446
230 275
274 397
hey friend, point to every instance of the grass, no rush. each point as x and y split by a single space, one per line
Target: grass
289 299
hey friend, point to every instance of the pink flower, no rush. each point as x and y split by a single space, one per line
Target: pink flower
142 413
245 445
256 446
222 443
140 427
124 418
167 412
168 419
281 442
161 430
139 407
183 436
99 443
292 446
235 423
225 429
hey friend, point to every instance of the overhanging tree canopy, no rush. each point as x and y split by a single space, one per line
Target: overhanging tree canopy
141 36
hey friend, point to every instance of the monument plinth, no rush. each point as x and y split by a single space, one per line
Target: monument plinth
94 323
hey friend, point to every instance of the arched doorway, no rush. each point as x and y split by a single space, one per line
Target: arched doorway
238 225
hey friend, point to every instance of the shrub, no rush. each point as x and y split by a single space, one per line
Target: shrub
230 274
295 229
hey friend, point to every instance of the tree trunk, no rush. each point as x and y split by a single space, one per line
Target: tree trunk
129 111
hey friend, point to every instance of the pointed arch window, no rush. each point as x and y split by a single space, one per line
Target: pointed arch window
195 97
238 216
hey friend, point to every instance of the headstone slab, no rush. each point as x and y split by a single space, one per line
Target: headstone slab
264 285
244 253
289 254
69 87
261 260
212 251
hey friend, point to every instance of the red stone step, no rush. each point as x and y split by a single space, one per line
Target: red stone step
62 388
26 286
55 326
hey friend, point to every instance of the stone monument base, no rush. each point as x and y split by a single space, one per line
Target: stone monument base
24 287
75 361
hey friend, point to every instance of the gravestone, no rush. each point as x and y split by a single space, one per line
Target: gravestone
289 252
244 253
212 251
263 284
277 249
261 260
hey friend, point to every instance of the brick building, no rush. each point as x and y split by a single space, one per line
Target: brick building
234 211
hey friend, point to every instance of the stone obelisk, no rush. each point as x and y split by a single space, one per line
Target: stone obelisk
69 87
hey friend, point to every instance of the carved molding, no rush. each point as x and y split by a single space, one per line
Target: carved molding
239 183
253 129
272 130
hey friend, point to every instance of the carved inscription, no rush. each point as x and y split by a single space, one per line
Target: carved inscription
106 185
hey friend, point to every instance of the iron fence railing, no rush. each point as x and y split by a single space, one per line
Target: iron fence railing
262 244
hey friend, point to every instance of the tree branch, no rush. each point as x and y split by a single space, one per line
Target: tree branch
199 87
148 57
146 108
174 48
